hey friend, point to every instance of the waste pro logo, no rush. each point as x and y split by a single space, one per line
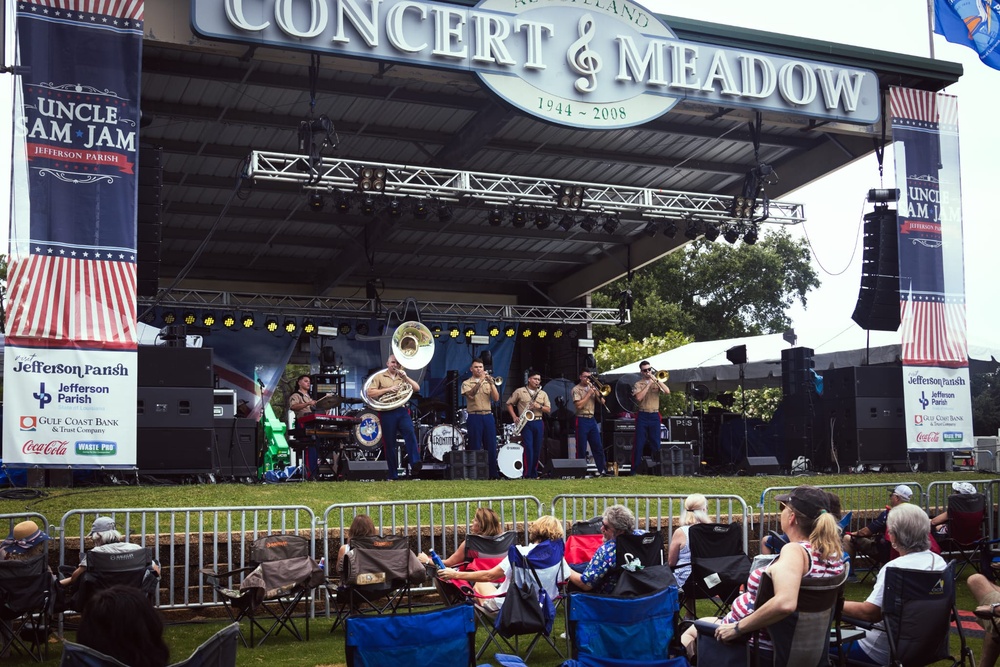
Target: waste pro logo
28 423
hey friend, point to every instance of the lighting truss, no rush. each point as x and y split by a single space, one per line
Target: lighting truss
334 307
485 190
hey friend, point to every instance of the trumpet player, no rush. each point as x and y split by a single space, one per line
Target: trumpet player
398 420
647 423
480 391
586 399
530 397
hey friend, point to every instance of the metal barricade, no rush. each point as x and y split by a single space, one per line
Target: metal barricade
864 501
936 500
652 512
186 540
15 518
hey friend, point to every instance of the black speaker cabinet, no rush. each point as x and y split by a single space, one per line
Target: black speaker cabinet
175 367
622 445
567 468
235 451
174 407
367 471
761 465
683 428
174 451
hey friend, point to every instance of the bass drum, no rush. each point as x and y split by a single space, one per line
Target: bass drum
368 431
443 438
510 461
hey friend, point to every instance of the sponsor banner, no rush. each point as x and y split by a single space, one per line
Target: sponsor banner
932 270
938 408
66 407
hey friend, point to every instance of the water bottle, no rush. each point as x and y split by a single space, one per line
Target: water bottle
322 563
437 560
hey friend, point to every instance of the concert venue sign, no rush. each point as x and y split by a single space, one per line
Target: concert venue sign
594 64
931 267
70 357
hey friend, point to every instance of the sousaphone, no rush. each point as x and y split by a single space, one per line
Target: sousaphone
413 346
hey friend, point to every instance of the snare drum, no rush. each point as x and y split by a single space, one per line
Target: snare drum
368 431
510 461
443 438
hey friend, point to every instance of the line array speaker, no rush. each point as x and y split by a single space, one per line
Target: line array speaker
878 298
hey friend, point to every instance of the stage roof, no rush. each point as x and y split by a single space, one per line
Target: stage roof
209 104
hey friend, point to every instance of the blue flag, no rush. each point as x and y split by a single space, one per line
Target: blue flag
971 23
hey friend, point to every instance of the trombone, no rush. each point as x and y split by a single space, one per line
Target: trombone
602 388
661 376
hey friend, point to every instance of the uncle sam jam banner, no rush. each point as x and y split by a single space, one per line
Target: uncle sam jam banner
935 359
70 360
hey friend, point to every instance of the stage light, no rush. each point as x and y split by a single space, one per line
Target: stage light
229 320
395 209
420 209
309 327
570 196
190 318
751 236
454 332
520 219
650 229
469 332
542 333
362 328
208 320
510 331
169 317
368 205
495 216
436 330
345 328
290 325
693 230
271 324
558 333
343 203
247 320
542 219
444 213
566 222
316 202
494 331
372 179
148 317
883 195
670 229
526 332
610 224
711 232
732 234
588 223
572 333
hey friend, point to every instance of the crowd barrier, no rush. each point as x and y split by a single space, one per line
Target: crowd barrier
8 521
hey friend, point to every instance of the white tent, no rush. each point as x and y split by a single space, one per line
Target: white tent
706 362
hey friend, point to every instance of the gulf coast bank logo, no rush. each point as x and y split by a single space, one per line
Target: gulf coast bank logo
28 423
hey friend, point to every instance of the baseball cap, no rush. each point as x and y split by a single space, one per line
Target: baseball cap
807 500
963 487
904 492
102 524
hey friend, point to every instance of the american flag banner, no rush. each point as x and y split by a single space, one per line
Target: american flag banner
931 270
71 311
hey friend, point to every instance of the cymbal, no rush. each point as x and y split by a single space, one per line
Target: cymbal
328 402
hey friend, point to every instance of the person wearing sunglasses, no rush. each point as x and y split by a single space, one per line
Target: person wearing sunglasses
600 575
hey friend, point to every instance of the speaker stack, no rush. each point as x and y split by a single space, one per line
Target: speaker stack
865 406
619 436
149 227
567 468
798 391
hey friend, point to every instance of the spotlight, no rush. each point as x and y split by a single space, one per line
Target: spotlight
520 218
436 330
526 332
454 332
732 234
670 229
290 326
395 209
316 202
169 317
495 216
444 213
469 332
208 320
751 236
189 318
543 219
610 224
570 196
542 333
883 195
420 209
372 179
309 327
510 331
558 333
345 328
494 331
368 205
271 324
651 229
693 230
711 232
149 317
566 222
362 328
247 320
572 333
343 203
229 321
588 223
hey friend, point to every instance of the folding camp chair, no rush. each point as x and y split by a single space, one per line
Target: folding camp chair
639 565
377 574
25 587
281 574
719 565
218 651
582 540
482 552
801 638
918 612
442 638
637 629
966 538
111 566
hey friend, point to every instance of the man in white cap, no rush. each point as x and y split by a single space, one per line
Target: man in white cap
107 539
870 540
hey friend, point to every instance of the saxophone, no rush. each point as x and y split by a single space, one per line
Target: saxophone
526 417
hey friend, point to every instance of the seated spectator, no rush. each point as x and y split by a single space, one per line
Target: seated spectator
600 575
870 540
491 585
814 551
121 622
939 524
772 545
679 553
25 542
107 539
987 595
361 526
486 522
909 529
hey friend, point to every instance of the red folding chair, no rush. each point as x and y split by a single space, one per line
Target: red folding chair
966 537
582 541
482 552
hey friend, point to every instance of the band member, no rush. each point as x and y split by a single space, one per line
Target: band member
302 404
586 398
530 397
397 420
479 391
647 423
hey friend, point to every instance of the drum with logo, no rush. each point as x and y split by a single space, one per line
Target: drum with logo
510 461
444 438
368 431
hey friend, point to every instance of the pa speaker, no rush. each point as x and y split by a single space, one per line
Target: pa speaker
878 298
761 465
174 451
368 471
567 468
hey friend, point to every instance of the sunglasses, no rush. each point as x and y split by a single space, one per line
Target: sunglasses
605 526
782 506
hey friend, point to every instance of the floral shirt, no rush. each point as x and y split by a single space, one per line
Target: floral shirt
601 568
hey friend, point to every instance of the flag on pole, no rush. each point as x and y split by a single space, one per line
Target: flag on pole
971 23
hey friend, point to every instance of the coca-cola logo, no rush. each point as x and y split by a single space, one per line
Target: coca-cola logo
932 436
51 448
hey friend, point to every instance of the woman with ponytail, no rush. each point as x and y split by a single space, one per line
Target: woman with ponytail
814 550
679 553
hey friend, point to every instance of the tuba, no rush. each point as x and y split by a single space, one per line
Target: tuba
413 347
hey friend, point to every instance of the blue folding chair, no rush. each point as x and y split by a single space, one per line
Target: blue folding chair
444 638
635 629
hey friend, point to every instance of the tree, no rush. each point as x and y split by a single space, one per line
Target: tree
985 403
713 290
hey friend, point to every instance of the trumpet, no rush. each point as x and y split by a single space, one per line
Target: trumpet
526 417
498 381
602 389
661 376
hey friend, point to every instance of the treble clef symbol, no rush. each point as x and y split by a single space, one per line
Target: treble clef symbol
581 59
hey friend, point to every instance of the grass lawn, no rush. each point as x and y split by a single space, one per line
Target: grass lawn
326 649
